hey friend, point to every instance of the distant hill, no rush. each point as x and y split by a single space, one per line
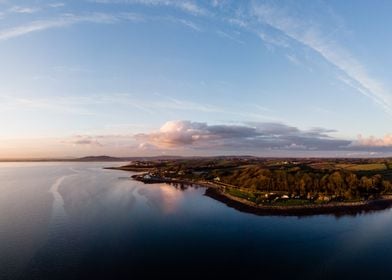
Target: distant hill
109 158
99 158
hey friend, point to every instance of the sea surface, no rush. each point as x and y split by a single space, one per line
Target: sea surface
79 221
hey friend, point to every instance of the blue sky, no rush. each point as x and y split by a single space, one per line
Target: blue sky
133 77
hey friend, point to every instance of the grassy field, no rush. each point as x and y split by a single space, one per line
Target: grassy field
241 194
362 167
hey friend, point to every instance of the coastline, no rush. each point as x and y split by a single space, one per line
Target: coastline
335 208
214 191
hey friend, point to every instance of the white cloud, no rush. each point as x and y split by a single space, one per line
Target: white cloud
309 35
184 5
294 59
238 22
84 140
185 22
56 5
219 3
272 40
82 105
372 141
62 21
228 36
24 10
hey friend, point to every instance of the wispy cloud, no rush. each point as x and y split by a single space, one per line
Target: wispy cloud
65 20
62 21
84 140
272 40
226 35
56 5
179 104
314 38
54 104
82 105
24 10
185 5
293 59
187 23
219 3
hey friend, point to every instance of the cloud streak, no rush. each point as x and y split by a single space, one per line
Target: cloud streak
77 105
24 10
310 35
184 5
62 21
65 20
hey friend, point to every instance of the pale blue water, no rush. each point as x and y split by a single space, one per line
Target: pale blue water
78 221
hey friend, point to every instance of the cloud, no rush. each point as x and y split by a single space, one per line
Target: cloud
372 141
272 40
250 137
257 138
184 5
24 10
87 142
65 20
62 21
310 35
219 3
83 105
184 22
293 59
228 36
56 5
56 105
99 141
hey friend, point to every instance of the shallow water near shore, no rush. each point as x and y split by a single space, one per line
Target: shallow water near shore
79 221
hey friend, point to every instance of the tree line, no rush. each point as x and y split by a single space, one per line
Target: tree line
309 183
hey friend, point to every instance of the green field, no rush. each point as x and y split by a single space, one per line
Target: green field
362 167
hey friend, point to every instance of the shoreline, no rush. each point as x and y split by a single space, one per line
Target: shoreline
214 191
335 208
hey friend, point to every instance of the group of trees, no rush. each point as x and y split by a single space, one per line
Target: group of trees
308 182
298 179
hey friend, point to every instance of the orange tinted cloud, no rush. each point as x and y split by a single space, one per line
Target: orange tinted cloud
372 141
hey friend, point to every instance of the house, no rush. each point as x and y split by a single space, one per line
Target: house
147 177
285 196
217 179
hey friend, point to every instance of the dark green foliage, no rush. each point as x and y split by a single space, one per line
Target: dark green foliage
252 178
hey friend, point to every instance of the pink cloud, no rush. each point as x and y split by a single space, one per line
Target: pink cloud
372 141
250 136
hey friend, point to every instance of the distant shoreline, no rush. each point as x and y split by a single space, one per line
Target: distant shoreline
214 191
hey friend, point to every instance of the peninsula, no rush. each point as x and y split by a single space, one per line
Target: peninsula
279 186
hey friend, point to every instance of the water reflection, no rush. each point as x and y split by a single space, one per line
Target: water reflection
77 221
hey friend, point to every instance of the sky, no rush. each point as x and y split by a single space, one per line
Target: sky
213 77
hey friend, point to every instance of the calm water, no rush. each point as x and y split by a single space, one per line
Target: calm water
78 221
